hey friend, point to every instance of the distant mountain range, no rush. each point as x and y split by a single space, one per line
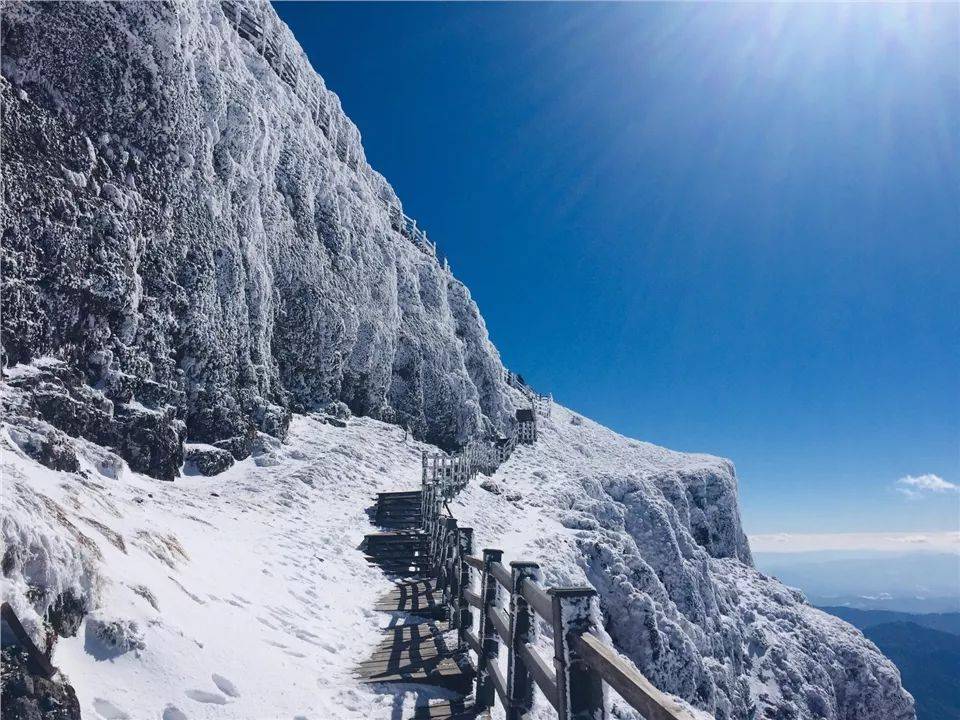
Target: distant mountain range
909 582
863 619
926 649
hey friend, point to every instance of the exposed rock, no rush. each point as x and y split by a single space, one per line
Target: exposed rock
492 486
27 695
48 447
208 460
338 410
150 440
65 614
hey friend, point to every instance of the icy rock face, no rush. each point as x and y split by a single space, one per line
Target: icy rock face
658 534
182 232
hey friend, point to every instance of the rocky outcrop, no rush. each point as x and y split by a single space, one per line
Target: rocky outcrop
27 695
150 439
208 460
183 234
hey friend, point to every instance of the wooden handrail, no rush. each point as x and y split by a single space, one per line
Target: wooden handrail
545 678
629 682
496 675
473 599
501 623
473 641
501 574
537 597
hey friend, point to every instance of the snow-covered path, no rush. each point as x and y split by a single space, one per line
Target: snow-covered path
248 594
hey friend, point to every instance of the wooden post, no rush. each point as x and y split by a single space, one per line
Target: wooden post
423 490
579 689
522 629
439 525
464 615
447 561
489 641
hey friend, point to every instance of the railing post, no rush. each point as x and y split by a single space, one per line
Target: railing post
434 523
522 629
423 490
449 542
489 642
437 552
579 689
464 615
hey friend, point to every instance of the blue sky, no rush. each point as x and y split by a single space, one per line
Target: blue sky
724 228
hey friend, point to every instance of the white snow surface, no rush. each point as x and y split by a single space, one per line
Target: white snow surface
247 591
246 595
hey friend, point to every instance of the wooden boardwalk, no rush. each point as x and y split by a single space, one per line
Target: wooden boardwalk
419 647
439 583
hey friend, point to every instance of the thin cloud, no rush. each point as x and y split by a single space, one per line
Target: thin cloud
915 486
935 541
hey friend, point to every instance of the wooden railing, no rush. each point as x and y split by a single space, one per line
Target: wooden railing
508 601
543 403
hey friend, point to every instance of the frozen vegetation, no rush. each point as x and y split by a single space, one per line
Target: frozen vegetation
201 284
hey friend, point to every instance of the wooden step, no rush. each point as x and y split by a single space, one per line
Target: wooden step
395 534
411 597
401 554
397 538
431 660
413 547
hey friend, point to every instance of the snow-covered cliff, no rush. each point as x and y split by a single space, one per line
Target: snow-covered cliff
187 231
658 534
195 251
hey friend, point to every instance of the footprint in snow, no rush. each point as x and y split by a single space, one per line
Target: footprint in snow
226 687
108 710
172 712
204 696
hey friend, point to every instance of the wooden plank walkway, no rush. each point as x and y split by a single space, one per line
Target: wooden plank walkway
419 647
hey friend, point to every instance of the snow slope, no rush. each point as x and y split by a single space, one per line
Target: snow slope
245 595
248 594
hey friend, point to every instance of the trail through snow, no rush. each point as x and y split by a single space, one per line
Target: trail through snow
247 591
246 596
